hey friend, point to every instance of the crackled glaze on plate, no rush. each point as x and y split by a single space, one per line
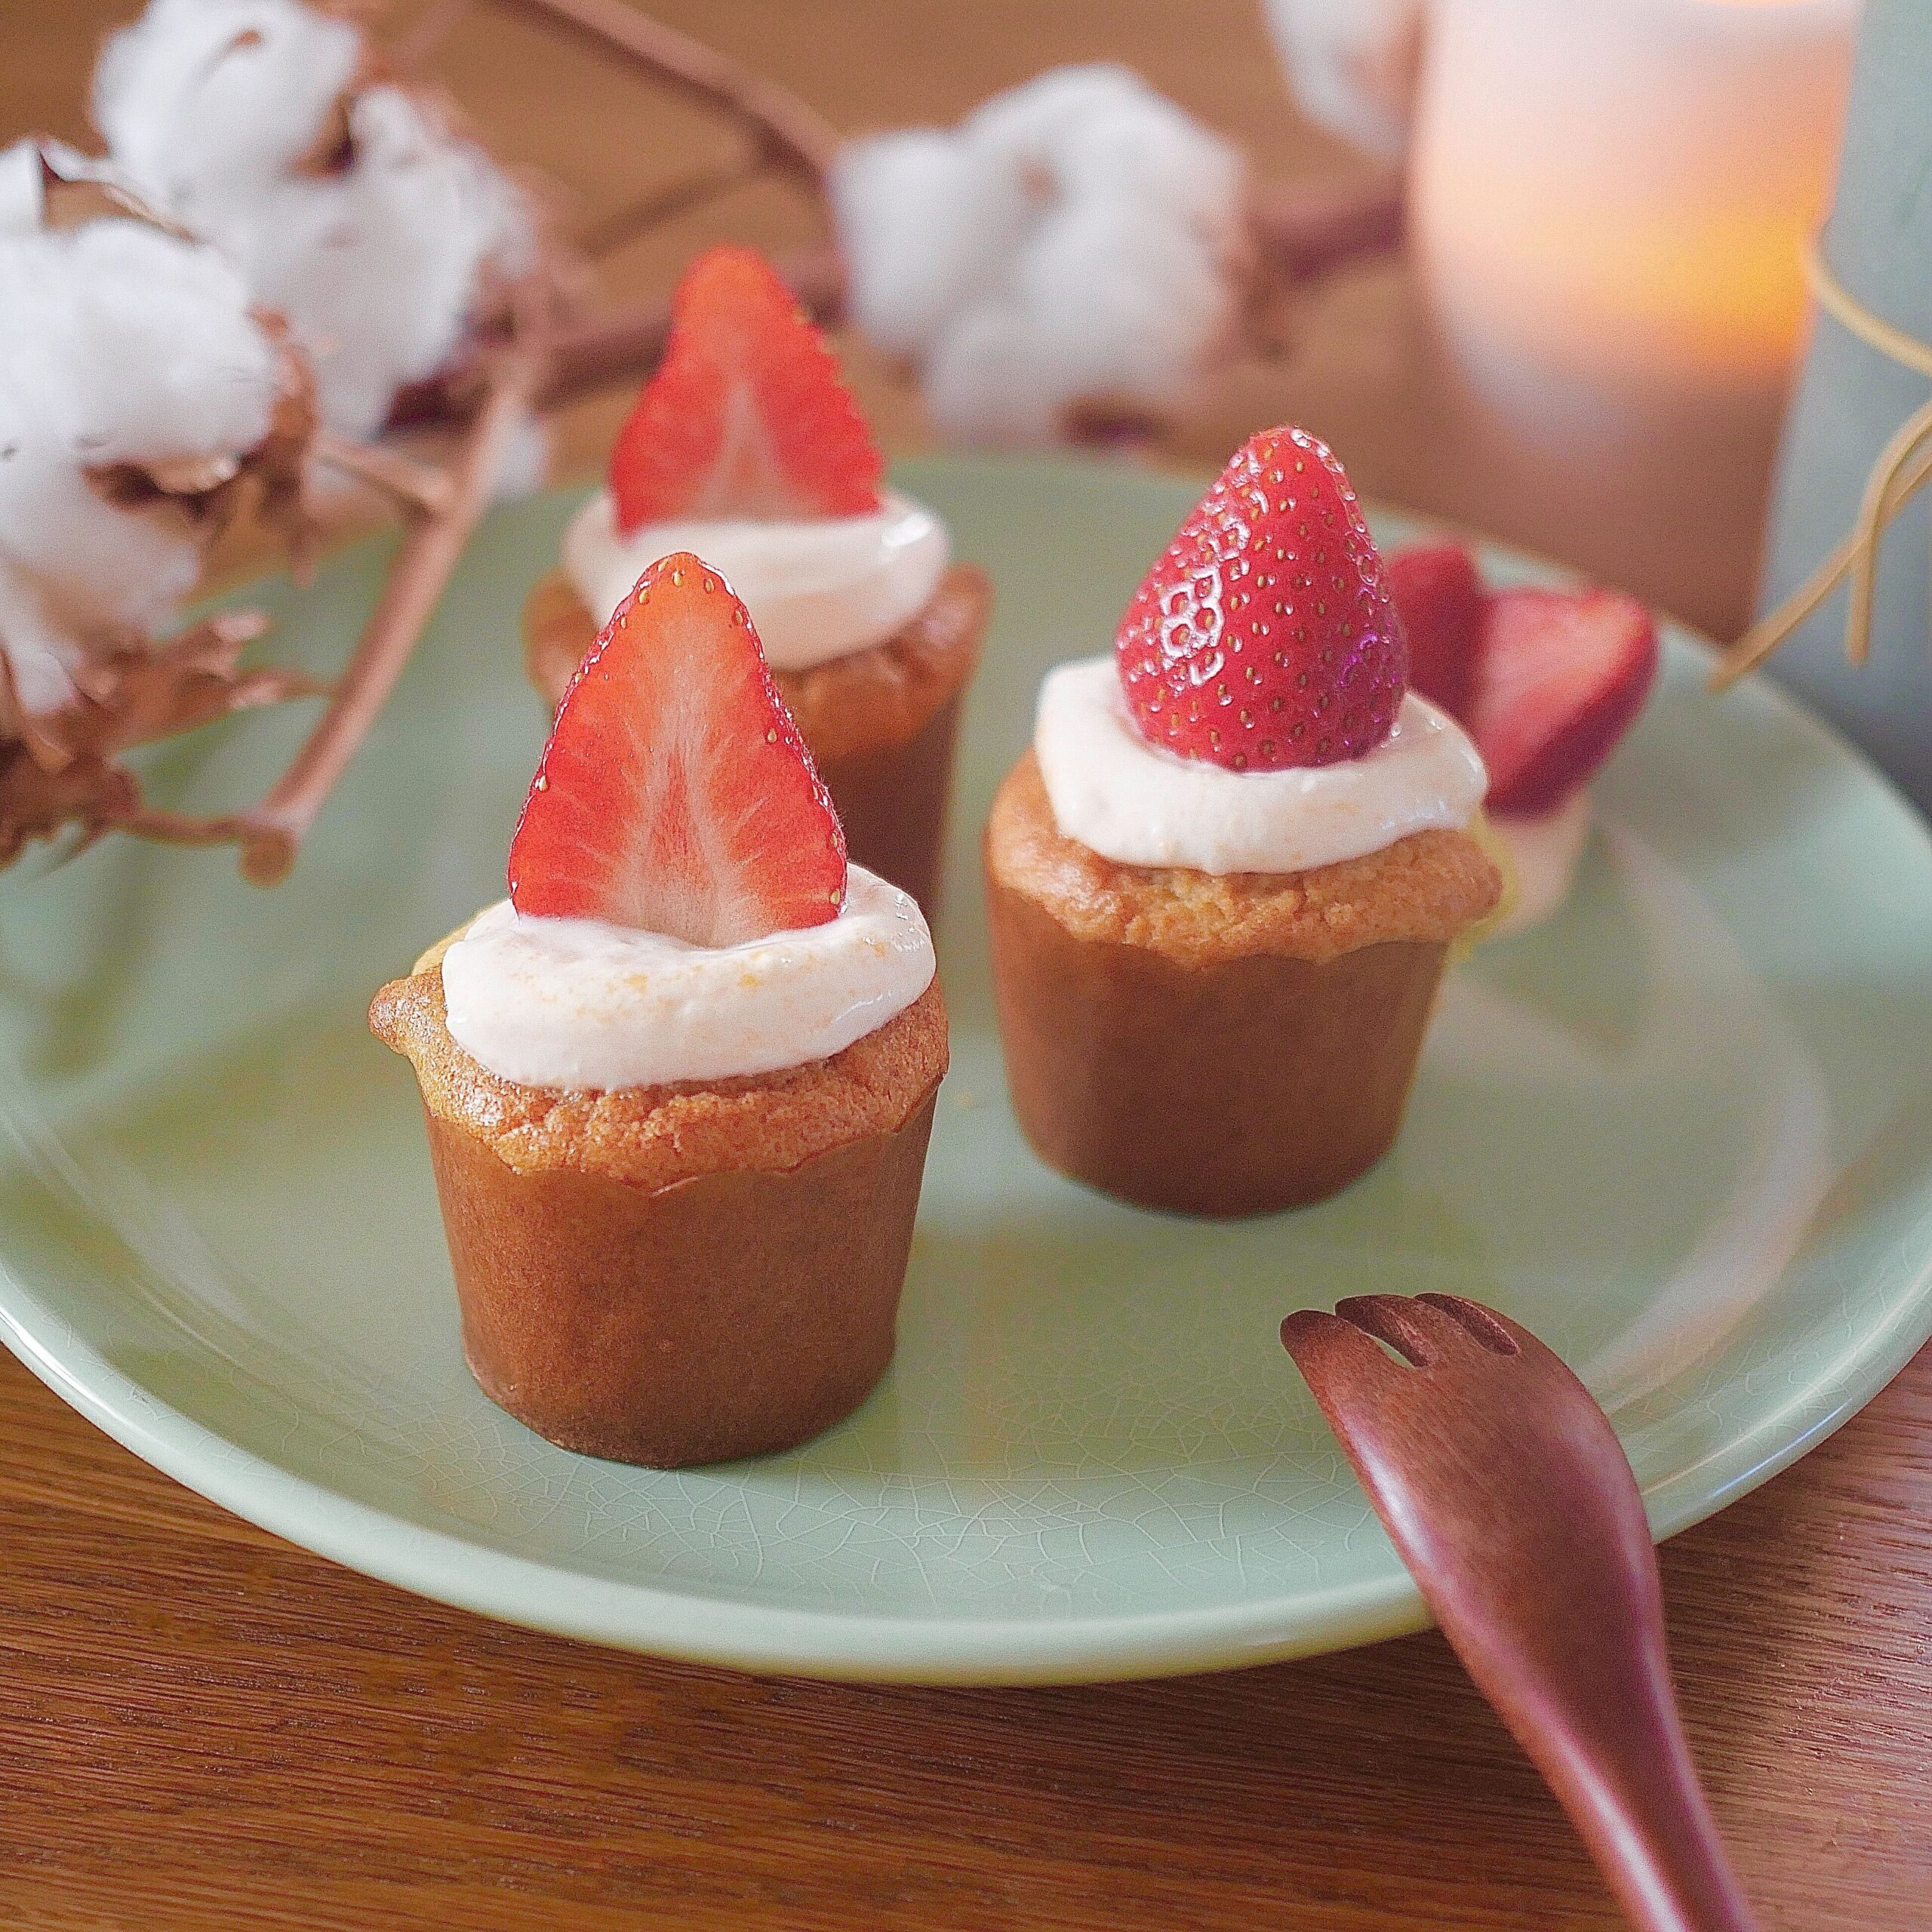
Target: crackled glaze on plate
1683 1131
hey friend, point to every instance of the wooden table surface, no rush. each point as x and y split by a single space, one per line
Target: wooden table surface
200 1727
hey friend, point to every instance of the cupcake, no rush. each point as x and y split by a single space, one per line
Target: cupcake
1547 682
745 447
1222 884
679 1083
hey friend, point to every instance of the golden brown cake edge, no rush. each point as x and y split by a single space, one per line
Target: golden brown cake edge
1424 889
653 1137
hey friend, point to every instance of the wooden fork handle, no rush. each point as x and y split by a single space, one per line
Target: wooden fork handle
1578 1670
1511 1500
1623 1770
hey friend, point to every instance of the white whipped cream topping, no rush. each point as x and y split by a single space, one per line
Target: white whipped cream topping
816 588
1543 852
1139 805
578 1004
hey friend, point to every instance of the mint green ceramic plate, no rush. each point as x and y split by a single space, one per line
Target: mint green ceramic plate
1685 1132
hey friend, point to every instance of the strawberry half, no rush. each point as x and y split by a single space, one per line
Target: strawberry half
1439 597
746 416
1265 637
1560 677
675 794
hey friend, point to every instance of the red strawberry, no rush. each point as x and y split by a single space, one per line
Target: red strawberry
1264 637
1561 676
675 794
746 416
1439 598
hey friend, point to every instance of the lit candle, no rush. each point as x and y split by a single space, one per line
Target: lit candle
1609 201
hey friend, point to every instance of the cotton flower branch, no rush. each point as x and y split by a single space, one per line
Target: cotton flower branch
352 205
64 768
253 149
142 397
270 835
796 137
354 262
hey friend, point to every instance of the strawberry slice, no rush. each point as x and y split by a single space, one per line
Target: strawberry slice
1560 677
1439 597
1265 637
746 416
675 794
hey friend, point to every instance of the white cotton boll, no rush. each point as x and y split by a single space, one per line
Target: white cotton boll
1354 66
924 223
199 94
119 345
1151 228
221 110
1034 122
22 191
1127 310
1149 148
986 384
378 271
128 345
1078 240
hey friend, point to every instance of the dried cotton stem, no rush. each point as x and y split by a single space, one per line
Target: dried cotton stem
1300 235
270 835
798 138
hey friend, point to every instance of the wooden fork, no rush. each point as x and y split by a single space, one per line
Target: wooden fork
1511 1500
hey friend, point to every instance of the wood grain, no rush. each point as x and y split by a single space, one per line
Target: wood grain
200 1727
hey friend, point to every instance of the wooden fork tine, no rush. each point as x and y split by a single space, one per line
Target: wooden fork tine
1415 1331
1496 1332
1333 1354
1492 1327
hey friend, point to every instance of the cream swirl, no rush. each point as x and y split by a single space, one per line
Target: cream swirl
576 1004
816 588
1135 803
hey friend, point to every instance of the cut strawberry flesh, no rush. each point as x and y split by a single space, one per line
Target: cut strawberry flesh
1560 677
1546 682
1439 597
1264 636
747 416
676 795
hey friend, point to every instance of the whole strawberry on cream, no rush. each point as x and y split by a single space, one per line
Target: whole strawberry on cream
746 447
679 1083
1222 884
1547 682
